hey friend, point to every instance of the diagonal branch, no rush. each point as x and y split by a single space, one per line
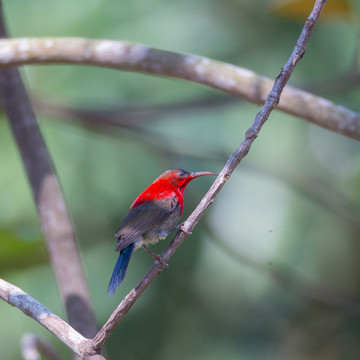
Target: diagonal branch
231 79
251 134
31 307
55 221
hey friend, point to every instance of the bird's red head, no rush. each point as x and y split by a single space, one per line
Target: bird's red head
166 185
180 178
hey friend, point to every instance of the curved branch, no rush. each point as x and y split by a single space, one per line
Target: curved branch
251 134
128 56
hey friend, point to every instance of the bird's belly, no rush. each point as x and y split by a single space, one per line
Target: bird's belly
161 231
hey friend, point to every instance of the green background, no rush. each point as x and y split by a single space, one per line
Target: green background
271 271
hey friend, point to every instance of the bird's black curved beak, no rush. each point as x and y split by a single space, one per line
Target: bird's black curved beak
194 175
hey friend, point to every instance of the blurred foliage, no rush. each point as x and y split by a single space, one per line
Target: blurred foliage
17 251
271 271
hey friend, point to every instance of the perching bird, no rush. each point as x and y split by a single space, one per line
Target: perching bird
152 216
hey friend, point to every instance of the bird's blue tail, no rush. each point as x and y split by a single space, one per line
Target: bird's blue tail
120 269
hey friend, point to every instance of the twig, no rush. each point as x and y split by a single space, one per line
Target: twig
126 116
32 308
55 221
32 347
224 175
234 80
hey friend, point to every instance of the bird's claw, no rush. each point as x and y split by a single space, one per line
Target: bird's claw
155 256
162 263
184 230
181 227
159 260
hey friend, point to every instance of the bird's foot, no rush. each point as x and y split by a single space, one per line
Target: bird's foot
156 257
181 227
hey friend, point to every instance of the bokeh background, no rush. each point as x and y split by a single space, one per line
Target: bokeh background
272 270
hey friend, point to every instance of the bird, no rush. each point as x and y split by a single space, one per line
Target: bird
152 217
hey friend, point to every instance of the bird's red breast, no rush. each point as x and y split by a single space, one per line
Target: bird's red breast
160 190
170 185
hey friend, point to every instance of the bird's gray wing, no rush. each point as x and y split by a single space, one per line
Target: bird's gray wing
141 219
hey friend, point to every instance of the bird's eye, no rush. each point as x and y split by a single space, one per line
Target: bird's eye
181 173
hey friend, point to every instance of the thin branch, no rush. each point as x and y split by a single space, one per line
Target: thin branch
33 346
224 175
128 116
32 308
55 221
234 80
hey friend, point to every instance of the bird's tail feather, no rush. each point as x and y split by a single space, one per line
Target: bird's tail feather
120 269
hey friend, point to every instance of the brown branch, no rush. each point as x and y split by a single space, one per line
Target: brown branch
54 218
127 116
224 175
32 308
63 331
234 80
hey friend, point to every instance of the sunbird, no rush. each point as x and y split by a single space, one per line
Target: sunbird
152 217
